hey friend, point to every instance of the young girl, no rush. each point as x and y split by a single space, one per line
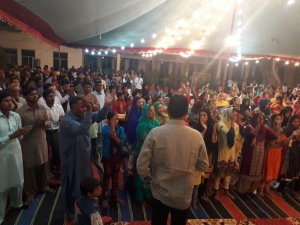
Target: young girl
113 142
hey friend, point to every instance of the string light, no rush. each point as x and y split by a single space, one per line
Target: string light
147 55
160 51
236 64
154 35
296 64
93 53
122 47
196 25
106 52
239 23
287 63
150 55
277 59
142 40
154 53
246 63
227 64
257 61
143 55
187 32
86 50
179 38
114 51
99 53
131 45
290 2
240 12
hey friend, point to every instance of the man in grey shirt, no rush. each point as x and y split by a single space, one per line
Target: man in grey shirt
176 152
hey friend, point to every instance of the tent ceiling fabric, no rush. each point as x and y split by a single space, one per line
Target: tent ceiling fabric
268 27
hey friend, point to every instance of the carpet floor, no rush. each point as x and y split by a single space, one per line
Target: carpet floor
48 209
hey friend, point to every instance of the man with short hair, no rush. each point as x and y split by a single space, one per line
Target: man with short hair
116 81
11 162
48 86
55 113
63 93
18 101
39 86
138 82
34 145
3 82
176 152
75 147
87 93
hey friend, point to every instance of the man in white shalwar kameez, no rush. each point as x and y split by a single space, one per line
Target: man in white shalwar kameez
11 162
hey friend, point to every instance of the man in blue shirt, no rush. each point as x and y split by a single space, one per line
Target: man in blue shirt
75 147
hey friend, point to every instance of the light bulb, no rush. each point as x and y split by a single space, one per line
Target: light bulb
240 12
143 55
93 53
179 38
131 45
172 43
236 64
220 18
154 35
207 33
246 63
167 30
240 1
287 62
203 39
207 16
106 52
290 2
240 30
147 55
296 64
257 61
86 50
277 59
122 47
114 51
227 64
99 53
160 51
239 23
196 25
154 53
181 23
142 40
150 55
213 27
187 32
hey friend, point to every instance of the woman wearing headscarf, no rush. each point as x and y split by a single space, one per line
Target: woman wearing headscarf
159 113
273 152
194 112
290 157
207 128
220 102
204 97
277 104
286 113
296 108
133 120
264 107
256 101
250 96
287 102
229 142
253 154
147 122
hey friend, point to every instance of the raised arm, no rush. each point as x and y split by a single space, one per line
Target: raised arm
73 127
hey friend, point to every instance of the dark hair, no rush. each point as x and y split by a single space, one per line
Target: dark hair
46 86
86 83
28 90
144 85
119 94
110 115
123 87
4 94
37 79
111 87
98 82
73 100
88 185
46 93
178 106
14 78
38 67
63 82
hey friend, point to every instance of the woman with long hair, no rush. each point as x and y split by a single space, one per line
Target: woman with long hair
286 113
207 128
145 92
277 104
290 157
147 122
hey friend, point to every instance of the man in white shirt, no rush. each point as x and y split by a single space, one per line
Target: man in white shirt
55 113
11 161
46 87
296 89
176 152
139 82
284 87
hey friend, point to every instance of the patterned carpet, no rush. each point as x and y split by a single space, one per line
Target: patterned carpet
48 209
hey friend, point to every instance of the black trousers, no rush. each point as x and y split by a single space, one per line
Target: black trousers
160 213
52 138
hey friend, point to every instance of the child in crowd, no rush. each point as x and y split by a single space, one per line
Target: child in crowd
87 212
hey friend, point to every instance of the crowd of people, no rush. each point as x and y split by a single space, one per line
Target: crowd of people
54 123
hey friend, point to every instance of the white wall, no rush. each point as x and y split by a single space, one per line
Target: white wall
43 51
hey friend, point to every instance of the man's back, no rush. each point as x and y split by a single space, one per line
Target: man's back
177 151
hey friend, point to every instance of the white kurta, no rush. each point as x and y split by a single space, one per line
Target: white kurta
11 162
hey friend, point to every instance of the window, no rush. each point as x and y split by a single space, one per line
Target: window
133 64
27 56
12 56
164 69
106 63
61 61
